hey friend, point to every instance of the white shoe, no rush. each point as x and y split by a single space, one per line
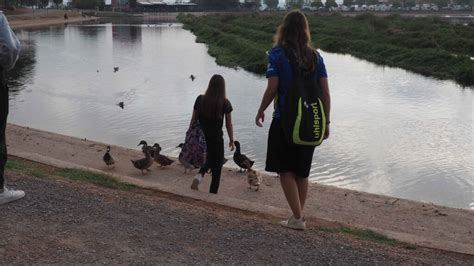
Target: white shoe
293 223
196 181
10 195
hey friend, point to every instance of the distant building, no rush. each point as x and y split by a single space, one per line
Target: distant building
160 5
118 4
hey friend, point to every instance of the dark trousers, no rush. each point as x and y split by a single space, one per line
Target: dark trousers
215 156
3 126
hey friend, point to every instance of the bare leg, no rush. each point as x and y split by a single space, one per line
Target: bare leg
302 184
290 188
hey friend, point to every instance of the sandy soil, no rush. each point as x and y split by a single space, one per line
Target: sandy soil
68 222
42 18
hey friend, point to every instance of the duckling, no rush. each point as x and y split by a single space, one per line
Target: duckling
253 178
109 161
240 159
146 147
116 69
161 159
192 77
183 162
145 163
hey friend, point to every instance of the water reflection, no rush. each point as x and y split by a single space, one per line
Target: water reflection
130 33
392 132
88 32
22 75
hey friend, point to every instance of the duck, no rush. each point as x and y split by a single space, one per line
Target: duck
192 77
240 159
161 159
145 147
109 161
120 104
156 147
116 69
184 163
144 163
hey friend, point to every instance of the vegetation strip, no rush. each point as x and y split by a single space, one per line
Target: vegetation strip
366 234
428 46
43 171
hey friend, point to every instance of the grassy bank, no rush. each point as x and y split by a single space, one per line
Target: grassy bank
427 46
43 171
365 234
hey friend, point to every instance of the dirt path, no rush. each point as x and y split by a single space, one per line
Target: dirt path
62 221
405 220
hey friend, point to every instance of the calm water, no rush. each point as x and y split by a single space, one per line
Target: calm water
393 132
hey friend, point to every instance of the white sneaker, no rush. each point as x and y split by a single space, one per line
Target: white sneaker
196 181
10 195
293 223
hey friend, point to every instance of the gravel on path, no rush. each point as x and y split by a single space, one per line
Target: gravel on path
63 221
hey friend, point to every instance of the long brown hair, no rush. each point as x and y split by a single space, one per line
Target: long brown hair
293 33
214 99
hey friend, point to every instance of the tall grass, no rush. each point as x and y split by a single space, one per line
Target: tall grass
428 46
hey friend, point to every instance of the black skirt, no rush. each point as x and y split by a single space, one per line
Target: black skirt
285 157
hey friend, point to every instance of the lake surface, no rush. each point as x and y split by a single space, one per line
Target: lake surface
392 132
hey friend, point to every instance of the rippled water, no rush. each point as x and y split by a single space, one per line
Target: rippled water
392 132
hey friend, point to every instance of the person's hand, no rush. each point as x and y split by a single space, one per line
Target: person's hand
231 145
326 133
259 119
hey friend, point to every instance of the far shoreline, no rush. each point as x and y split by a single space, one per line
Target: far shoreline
32 19
47 18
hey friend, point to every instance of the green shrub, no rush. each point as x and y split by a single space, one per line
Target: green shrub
465 75
378 23
364 16
427 46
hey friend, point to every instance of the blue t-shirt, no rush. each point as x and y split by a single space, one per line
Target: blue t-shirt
279 66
